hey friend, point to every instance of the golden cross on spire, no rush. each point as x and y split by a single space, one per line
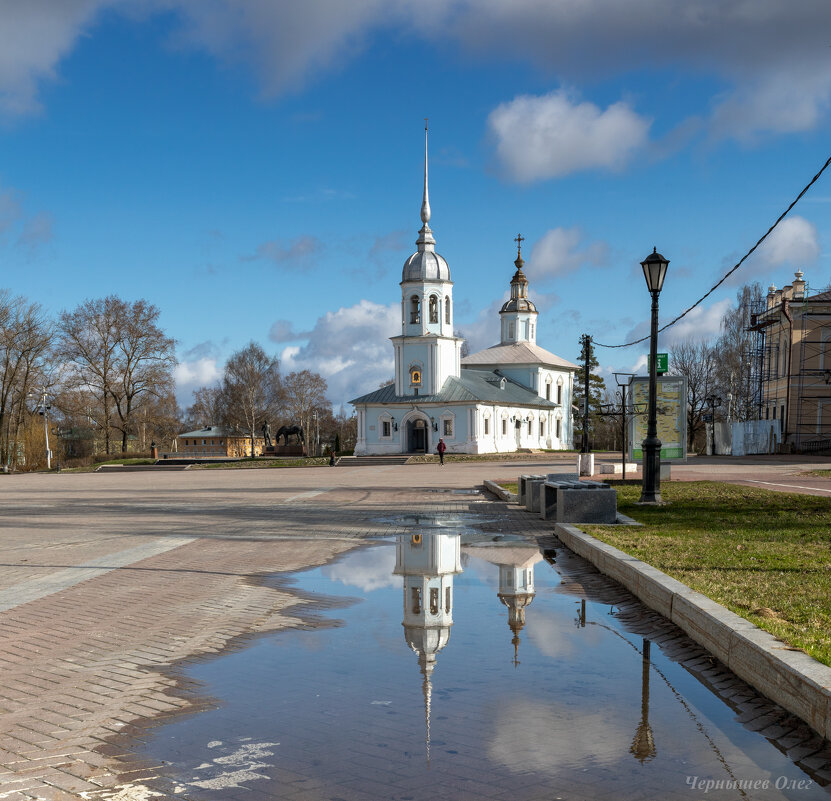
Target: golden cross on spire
519 239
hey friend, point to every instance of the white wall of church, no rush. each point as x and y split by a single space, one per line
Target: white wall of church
465 428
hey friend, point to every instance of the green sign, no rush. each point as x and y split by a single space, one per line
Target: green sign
662 362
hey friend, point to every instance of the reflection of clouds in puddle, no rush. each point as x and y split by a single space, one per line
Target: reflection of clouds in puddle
479 569
367 569
530 736
556 636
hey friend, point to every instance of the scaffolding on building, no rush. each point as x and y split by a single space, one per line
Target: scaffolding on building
812 421
755 358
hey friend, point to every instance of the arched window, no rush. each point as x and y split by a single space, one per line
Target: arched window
415 309
434 309
560 391
548 390
447 310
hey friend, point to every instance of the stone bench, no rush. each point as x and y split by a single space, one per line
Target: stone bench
521 484
573 501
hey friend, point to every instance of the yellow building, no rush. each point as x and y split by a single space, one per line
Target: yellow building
216 441
796 370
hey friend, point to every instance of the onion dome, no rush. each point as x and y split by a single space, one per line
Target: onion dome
519 287
425 264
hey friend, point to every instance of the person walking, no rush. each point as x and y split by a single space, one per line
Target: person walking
440 449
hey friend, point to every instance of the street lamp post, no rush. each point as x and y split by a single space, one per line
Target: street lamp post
713 401
654 271
622 380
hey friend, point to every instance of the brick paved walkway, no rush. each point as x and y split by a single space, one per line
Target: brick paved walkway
108 580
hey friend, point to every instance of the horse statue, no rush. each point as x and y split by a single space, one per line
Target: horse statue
289 431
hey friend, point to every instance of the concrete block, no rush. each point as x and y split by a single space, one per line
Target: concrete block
586 506
666 470
616 469
585 464
793 679
521 482
658 590
571 477
532 494
548 501
708 623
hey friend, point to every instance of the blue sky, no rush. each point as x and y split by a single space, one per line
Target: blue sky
254 168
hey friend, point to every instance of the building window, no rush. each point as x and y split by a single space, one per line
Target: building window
548 391
416 600
510 330
434 600
560 392
447 428
530 430
504 427
542 428
415 376
386 428
447 310
532 330
447 600
487 424
782 415
415 316
558 429
434 309
774 412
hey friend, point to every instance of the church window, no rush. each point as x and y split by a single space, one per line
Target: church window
532 330
525 329
560 391
416 600
434 600
504 427
529 427
558 429
510 330
386 428
447 428
434 309
548 391
415 309
447 310
447 600
487 423
542 427
415 376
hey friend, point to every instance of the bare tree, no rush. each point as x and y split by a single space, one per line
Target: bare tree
734 373
116 355
695 360
250 391
206 409
144 362
304 393
26 339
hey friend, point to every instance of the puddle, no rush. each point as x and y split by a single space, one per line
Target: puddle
459 668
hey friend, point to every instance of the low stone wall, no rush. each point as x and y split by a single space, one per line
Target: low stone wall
787 676
501 493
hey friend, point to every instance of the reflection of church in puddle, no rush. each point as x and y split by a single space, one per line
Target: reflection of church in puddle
428 563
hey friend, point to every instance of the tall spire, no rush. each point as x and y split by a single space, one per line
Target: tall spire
425 239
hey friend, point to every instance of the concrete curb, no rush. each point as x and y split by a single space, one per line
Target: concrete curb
788 677
500 493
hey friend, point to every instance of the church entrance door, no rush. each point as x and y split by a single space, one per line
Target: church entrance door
417 430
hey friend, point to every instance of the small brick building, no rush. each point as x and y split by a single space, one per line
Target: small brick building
217 441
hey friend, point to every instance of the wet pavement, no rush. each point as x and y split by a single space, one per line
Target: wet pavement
223 635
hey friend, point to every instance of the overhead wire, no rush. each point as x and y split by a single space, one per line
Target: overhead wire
732 269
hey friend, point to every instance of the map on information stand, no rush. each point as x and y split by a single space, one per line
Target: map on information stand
672 417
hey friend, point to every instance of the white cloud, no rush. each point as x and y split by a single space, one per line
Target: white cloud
367 569
702 323
794 242
350 348
34 36
296 253
551 136
190 375
484 330
561 251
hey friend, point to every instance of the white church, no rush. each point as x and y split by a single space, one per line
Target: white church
507 397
